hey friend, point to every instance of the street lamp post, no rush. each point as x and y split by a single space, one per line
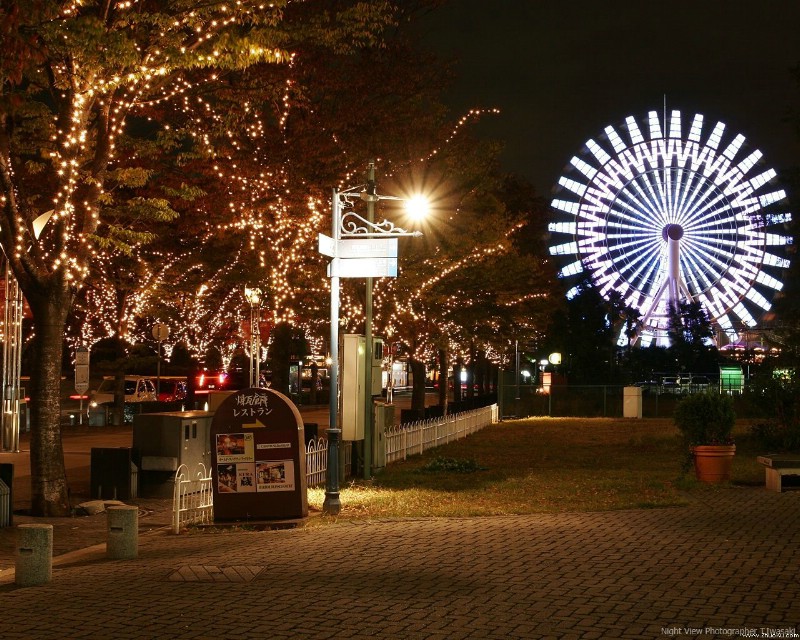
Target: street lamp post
347 226
160 333
371 198
12 349
253 296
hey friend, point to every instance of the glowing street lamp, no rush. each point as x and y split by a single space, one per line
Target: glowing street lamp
347 225
253 297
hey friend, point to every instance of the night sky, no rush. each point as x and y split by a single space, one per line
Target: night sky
560 71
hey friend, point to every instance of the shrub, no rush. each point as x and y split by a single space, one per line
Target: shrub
705 419
780 396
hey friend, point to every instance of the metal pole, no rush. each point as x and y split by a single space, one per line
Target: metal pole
368 341
5 416
252 370
12 358
516 356
256 326
332 505
158 373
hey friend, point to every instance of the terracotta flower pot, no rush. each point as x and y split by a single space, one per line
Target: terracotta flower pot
713 463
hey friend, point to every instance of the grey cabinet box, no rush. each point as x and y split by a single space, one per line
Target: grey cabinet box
162 442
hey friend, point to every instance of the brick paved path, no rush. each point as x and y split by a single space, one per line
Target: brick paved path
728 562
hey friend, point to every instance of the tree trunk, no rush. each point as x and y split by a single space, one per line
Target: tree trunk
471 373
312 390
49 493
418 389
443 382
457 379
480 373
118 408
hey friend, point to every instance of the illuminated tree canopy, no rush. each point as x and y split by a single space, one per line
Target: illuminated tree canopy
180 150
75 77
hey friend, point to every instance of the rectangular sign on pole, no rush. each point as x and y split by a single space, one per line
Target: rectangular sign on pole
357 247
363 267
81 370
327 245
368 248
82 356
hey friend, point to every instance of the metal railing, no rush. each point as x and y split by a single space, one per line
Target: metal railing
316 461
193 499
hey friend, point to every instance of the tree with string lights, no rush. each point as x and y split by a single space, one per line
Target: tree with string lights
73 76
477 280
253 213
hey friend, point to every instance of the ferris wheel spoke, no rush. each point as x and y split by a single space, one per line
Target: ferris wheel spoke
644 269
639 201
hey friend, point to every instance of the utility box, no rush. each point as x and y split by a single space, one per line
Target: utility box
632 402
353 374
162 442
384 420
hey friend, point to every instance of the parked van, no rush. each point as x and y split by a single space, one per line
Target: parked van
137 389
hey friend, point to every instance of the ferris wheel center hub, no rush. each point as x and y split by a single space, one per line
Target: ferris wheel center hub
672 232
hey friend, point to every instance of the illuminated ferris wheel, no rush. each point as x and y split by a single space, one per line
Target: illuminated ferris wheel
664 214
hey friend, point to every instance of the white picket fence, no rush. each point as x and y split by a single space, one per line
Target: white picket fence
193 498
316 461
414 438
407 439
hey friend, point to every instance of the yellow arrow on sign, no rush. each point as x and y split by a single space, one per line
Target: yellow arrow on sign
255 425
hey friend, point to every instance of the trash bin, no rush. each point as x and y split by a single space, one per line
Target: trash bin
5 505
7 494
112 474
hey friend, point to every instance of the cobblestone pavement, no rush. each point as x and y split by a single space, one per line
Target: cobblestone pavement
726 565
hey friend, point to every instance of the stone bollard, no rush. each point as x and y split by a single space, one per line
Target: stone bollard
123 532
34 554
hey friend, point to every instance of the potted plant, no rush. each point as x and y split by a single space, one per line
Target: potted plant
706 421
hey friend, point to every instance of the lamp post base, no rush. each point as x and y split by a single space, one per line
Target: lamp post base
332 505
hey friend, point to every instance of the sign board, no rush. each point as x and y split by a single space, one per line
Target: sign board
358 247
258 461
327 245
363 267
368 248
160 331
81 370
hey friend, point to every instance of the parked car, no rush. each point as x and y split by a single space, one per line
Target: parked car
137 389
648 387
671 385
216 380
171 389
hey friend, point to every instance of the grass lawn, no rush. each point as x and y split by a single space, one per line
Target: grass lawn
540 465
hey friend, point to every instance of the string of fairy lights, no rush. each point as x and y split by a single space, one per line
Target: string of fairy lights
262 223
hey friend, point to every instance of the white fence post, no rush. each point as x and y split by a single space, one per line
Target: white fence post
193 499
